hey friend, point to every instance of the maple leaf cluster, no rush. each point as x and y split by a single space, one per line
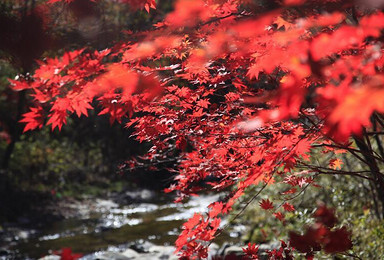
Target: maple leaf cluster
238 93
284 252
322 234
251 251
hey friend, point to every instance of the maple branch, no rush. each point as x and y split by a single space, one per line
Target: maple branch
368 141
336 146
378 177
298 194
351 255
378 141
353 151
321 170
230 135
374 197
287 152
216 19
220 231
376 155
379 118
366 137
147 165
374 133
345 173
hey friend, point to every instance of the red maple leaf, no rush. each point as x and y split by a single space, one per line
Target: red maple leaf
33 119
251 251
336 163
288 207
216 209
266 204
280 216
192 222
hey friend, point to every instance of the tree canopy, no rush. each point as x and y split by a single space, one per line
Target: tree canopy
242 95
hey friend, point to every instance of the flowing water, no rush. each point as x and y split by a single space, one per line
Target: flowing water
107 224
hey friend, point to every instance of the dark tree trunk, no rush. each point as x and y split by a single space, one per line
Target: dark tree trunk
16 131
375 171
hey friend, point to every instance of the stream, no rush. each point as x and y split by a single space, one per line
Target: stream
109 225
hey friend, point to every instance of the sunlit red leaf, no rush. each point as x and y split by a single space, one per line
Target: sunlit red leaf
288 207
336 163
266 204
33 119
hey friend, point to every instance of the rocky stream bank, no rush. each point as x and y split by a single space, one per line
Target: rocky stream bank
129 225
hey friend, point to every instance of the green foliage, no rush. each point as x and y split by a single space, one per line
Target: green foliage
54 161
346 194
368 236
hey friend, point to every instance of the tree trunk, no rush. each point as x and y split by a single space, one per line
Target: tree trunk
375 171
16 131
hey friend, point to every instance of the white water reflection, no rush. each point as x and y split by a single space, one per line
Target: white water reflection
114 221
194 205
138 208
